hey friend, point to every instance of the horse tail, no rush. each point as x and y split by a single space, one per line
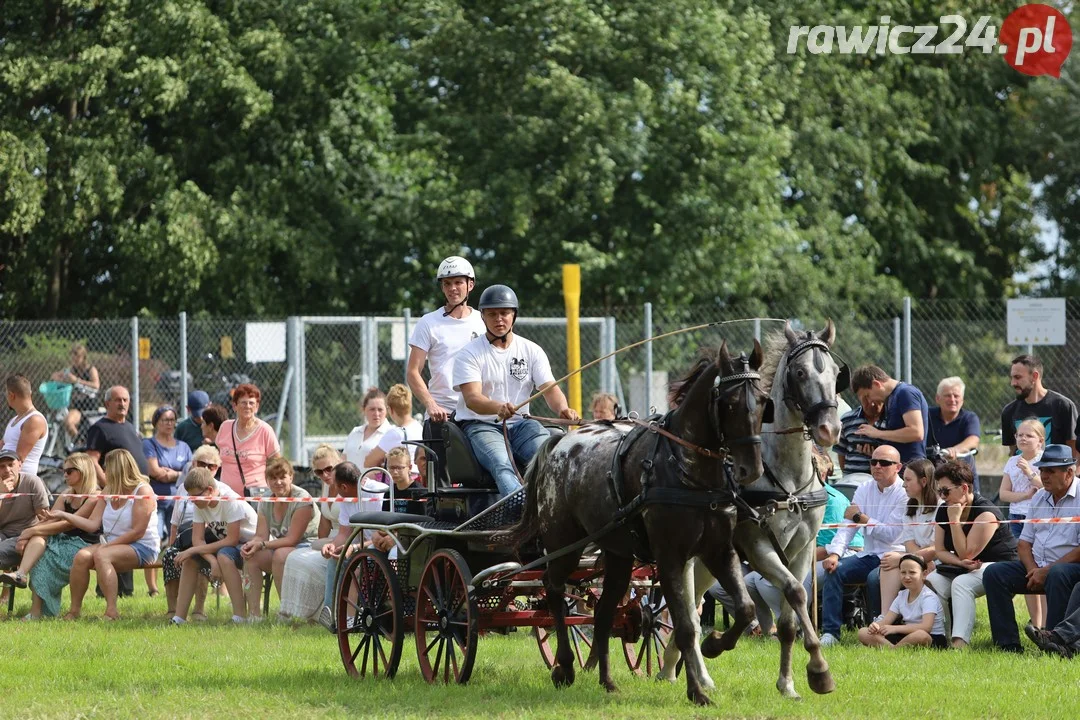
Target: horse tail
528 527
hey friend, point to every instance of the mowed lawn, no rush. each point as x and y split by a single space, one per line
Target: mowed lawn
142 668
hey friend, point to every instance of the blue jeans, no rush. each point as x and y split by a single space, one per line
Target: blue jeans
1004 580
489 447
1016 528
331 584
852 569
873 590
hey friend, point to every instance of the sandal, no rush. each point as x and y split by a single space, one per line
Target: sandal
154 593
15 579
110 618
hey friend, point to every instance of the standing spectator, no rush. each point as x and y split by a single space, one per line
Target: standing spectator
1056 412
604 406
1021 480
304 579
918 539
1049 553
112 433
282 528
213 417
183 517
85 381
903 415
365 438
27 432
952 428
917 606
853 450
190 428
877 508
399 406
129 537
165 457
18 513
496 373
246 443
51 546
968 539
222 523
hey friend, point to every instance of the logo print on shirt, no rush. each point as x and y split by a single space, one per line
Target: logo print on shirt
519 368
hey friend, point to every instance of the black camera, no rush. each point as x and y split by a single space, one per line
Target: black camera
936 455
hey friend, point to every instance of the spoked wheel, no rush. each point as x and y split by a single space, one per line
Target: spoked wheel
446 619
581 638
645 656
371 624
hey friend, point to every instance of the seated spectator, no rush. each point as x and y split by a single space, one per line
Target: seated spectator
129 537
1064 638
852 449
953 429
183 517
282 528
604 406
304 579
166 456
18 513
767 598
968 539
916 606
49 547
1049 553
84 395
399 406
364 438
221 524
877 509
190 428
918 540
903 414
400 468
214 416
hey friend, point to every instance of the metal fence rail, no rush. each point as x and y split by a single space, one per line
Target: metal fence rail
313 370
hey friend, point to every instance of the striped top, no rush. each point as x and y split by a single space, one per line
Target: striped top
856 449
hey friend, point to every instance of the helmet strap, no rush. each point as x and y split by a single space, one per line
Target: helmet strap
451 309
493 338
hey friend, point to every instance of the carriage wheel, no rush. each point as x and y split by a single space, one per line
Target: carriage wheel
371 623
581 638
446 619
646 655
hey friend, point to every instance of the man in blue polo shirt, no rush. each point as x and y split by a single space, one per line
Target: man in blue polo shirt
903 418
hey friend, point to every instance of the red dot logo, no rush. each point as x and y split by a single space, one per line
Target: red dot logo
1035 40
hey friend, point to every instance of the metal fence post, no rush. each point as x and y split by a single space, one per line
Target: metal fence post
613 367
408 316
648 359
897 363
605 367
294 406
135 373
757 329
907 339
183 364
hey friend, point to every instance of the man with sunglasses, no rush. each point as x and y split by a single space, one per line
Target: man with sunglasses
1049 553
877 509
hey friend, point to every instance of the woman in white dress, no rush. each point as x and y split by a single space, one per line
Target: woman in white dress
365 438
303 581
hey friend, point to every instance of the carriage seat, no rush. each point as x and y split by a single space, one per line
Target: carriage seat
382 517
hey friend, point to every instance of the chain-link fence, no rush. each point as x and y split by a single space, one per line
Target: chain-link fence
312 371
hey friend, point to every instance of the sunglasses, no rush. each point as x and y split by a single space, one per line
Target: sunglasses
944 492
325 470
68 471
204 464
883 463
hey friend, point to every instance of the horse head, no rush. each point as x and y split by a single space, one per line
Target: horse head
737 404
812 380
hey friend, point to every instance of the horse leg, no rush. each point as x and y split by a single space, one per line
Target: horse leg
724 564
818 675
562 673
699 579
617 570
672 580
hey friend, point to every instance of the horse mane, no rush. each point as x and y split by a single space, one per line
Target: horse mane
706 358
776 347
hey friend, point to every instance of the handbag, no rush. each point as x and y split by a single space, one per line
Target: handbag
236 453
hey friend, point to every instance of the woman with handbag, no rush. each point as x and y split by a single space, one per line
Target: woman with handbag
246 443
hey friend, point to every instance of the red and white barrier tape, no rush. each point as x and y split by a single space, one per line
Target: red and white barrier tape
267 498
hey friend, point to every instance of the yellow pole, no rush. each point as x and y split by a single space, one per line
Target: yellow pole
571 280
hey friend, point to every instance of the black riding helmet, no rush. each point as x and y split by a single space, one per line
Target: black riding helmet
499 297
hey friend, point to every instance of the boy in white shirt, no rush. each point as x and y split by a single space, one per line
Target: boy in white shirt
495 373
223 515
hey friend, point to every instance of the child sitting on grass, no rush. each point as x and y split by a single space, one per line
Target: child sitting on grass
918 609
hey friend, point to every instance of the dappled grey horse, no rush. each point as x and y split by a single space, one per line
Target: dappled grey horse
802 380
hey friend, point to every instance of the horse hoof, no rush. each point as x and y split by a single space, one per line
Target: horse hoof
698 698
711 647
609 686
820 682
591 663
562 677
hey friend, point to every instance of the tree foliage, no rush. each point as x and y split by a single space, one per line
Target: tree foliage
320 156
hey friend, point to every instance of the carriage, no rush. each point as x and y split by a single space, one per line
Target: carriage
448 582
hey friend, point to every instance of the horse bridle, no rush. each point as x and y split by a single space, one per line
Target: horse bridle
842 379
748 380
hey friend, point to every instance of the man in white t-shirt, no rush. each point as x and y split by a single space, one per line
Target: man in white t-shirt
222 522
494 374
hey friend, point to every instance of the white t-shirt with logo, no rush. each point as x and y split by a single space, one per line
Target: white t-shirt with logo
505 375
228 511
442 337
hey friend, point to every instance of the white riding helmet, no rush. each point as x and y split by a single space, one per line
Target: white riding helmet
455 266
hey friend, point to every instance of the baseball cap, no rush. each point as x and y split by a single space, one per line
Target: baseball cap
197 400
9 454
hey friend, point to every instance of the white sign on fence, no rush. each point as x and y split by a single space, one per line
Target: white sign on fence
398 341
264 342
1036 322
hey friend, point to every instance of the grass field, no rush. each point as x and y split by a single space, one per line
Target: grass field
141 667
